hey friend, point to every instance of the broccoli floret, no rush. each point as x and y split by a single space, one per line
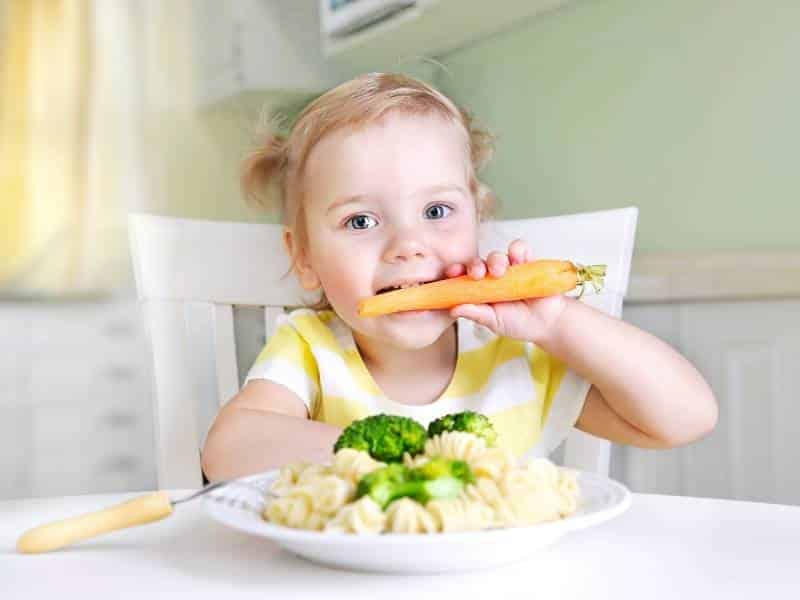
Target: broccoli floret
439 478
384 437
439 467
468 421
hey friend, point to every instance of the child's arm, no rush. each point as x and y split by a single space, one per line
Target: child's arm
264 426
644 393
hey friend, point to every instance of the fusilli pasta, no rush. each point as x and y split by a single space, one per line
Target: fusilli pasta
362 516
295 512
413 462
485 490
460 514
407 516
494 463
456 445
354 464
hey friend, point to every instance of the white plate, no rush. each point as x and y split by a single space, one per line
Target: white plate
600 500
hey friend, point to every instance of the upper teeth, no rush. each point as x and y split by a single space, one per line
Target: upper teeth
408 285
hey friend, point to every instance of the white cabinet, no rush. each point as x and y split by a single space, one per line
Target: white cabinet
273 51
75 402
429 29
750 354
270 48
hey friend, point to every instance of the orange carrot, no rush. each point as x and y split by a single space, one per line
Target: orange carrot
528 280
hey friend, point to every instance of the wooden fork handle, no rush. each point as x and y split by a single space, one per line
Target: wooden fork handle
58 534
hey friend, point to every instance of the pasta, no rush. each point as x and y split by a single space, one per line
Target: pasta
543 472
329 493
407 516
312 473
503 494
460 514
494 463
568 493
415 461
308 505
456 445
287 478
361 516
535 506
294 511
486 491
354 464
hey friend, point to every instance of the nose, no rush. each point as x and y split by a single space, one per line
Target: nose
406 244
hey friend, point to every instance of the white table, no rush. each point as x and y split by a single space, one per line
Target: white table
662 547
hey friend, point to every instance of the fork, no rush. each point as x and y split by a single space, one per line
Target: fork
138 511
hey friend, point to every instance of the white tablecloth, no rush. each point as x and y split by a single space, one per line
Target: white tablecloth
662 547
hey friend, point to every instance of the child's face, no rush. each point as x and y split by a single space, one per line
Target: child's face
388 205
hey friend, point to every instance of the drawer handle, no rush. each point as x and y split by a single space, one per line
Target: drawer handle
120 420
119 464
117 329
119 373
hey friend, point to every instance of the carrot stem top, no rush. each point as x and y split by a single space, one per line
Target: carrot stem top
591 274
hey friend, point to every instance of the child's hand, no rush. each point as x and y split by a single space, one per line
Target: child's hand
530 320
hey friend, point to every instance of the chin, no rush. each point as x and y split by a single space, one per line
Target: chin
415 330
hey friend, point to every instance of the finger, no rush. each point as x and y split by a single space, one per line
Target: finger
497 263
482 314
476 268
455 270
518 252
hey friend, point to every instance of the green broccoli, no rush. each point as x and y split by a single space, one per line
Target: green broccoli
439 478
439 467
384 437
467 421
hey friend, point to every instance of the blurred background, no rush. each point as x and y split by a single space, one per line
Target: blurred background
686 109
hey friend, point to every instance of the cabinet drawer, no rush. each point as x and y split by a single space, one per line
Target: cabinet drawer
89 377
57 423
86 325
15 343
15 451
122 472
80 449
59 477
14 391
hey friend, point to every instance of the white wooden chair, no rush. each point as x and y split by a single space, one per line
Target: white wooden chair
191 273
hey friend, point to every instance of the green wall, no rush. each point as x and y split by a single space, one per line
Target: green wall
688 109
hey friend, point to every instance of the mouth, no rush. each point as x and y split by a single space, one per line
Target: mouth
402 286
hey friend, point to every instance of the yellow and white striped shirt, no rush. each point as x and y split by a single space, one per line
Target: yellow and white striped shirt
531 398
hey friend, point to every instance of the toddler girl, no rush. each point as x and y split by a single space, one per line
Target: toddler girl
377 186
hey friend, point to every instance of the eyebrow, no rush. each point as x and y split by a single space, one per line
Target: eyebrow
433 189
344 201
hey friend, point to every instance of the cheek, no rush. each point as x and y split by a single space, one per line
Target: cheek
344 275
462 243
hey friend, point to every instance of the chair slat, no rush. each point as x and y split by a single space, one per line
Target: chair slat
271 314
177 455
225 354
198 318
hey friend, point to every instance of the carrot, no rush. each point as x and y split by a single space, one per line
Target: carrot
528 280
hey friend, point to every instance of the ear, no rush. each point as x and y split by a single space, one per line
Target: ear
305 272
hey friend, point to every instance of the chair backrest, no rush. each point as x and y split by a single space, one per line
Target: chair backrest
191 273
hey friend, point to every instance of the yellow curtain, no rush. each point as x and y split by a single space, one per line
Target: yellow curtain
45 74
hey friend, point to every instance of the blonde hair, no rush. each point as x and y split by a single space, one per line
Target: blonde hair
272 173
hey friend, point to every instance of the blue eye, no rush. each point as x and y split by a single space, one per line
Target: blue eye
360 222
437 211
